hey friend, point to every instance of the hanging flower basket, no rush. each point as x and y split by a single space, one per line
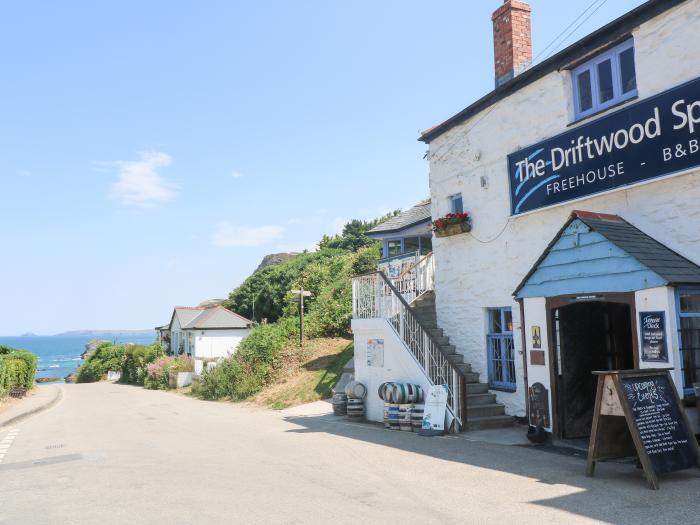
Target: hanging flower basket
452 224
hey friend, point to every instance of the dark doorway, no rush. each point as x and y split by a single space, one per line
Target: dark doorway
588 336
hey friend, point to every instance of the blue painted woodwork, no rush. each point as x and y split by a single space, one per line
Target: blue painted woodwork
584 261
688 322
501 352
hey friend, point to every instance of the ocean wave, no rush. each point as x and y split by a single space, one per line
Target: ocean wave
55 366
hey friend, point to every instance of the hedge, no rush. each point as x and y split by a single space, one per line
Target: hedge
17 367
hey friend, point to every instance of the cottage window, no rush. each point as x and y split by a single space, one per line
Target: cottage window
688 303
426 245
604 81
456 205
393 248
501 353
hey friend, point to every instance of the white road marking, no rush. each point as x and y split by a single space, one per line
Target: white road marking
7 442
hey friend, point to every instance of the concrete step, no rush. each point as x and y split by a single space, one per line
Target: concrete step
456 359
476 388
470 377
482 398
481 423
436 332
442 340
493 409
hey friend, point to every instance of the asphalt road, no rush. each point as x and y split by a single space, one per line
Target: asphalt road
118 454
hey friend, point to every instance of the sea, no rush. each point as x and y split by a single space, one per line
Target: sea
59 355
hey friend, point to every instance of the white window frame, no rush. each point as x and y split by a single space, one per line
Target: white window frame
592 66
452 199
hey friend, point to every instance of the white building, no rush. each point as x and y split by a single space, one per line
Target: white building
206 333
538 294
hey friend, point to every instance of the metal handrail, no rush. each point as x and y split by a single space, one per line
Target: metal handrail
387 302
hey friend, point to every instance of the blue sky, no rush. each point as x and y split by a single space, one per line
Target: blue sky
153 152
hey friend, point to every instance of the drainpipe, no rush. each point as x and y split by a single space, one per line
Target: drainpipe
524 347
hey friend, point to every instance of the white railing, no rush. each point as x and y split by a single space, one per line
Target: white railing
417 279
375 296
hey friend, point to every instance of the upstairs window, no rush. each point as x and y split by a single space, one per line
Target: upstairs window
606 80
456 205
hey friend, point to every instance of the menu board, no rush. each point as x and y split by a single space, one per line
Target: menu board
653 329
660 424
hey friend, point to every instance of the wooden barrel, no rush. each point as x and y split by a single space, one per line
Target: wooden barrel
340 404
417 416
356 390
356 408
393 416
386 416
405 417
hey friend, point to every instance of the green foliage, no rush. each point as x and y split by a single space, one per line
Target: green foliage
159 372
106 357
327 274
136 359
17 367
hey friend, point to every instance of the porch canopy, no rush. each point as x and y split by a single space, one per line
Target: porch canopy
595 252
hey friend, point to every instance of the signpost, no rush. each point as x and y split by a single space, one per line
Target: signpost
639 411
301 293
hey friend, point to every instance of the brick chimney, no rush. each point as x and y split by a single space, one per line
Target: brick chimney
512 39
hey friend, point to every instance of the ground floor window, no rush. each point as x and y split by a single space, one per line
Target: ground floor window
501 353
688 302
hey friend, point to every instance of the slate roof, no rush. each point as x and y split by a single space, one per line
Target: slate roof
199 317
662 260
416 215
217 317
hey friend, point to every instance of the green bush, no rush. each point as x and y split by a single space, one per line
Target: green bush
106 357
136 359
218 382
158 372
17 367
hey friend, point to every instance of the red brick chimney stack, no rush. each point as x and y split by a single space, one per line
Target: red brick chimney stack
512 39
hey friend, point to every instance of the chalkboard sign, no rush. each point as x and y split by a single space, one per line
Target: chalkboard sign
659 422
653 328
639 411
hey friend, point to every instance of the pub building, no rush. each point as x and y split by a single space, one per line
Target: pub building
581 177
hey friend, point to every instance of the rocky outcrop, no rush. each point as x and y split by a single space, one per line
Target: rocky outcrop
90 347
275 258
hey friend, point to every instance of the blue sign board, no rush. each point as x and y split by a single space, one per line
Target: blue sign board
649 139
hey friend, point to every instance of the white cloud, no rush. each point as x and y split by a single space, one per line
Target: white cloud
138 182
226 234
236 175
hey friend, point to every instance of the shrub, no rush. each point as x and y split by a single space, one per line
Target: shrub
218 382
104 358
17 367
136 359
158 373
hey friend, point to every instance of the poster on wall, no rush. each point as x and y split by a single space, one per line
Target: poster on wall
375 352
653 328
435 409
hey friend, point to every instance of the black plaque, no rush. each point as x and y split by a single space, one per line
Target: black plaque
539 405
653 328
659 422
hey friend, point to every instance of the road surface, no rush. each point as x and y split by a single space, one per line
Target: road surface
110 453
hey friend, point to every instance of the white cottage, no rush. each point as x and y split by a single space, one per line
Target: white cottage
206 333
581 175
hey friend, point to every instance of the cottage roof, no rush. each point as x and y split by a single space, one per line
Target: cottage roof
217 317
411 217
185 314
612 33
670 267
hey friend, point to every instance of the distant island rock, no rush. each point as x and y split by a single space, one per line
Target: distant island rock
274 259
28 334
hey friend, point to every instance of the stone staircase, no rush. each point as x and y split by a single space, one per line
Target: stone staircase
483 411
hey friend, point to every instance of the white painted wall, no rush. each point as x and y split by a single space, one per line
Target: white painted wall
217 343
399 364
482 269
536 315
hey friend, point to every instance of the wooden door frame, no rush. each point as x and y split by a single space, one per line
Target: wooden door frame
552 303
